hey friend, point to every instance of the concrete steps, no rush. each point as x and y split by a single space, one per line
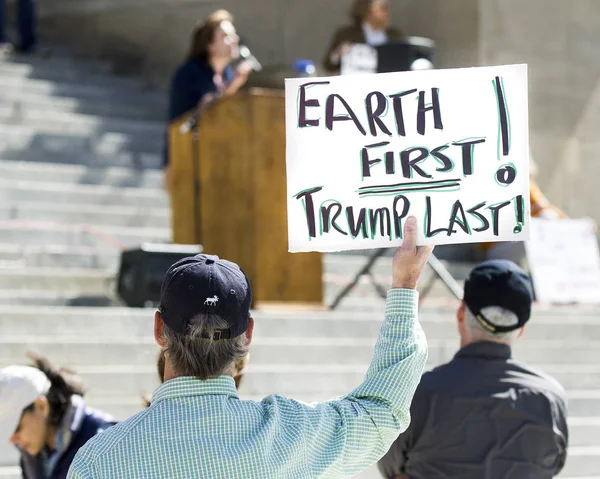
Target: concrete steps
136 350
79 89
293 379
81 214
59 150
79 137
437 324
18 191
100 76
72 282
79 174
33 233
51 104
76 122
103 257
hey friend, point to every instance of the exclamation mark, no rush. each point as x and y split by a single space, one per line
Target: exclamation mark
503 116
520 214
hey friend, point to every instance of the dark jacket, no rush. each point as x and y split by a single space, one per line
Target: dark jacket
189 84
79 425
352 34
482 416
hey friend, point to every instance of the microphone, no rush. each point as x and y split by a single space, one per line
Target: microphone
185 128
247 56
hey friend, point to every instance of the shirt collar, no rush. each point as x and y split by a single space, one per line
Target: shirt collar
189 386
374 37
485 350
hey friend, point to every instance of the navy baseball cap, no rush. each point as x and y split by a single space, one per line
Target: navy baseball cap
206 284
499 283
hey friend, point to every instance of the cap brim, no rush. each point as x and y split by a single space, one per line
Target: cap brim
9 421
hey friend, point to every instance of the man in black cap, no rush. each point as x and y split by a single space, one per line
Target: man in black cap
196 426
483 414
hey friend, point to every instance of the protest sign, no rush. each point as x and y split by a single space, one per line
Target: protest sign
564 261
364 152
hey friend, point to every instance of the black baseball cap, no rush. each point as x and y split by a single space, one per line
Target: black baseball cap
206 284
499 283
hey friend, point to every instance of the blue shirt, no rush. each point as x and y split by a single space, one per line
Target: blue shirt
202 429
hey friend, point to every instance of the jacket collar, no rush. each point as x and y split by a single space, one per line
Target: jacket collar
485 350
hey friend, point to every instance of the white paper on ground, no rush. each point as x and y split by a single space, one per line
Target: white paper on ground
564 261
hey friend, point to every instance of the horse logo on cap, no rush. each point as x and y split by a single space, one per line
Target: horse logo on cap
212 301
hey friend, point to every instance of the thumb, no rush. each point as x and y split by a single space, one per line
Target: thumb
410 234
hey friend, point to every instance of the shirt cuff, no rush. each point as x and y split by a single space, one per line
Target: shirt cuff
402 302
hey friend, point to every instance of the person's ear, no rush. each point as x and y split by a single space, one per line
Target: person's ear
41 406
460 313
159 325
521 331
249 330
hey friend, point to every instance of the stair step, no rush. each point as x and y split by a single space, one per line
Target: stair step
24 72
79 137
62 151
80 174
127 216
41 298
79 150
103 256
72 282
34 233
327 379
83 91
52 104
75 122
55 59
140 350
135 321
13 191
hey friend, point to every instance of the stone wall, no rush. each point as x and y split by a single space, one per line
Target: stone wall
558 39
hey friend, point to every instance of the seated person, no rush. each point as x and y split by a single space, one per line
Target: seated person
371 25
484 414
207 73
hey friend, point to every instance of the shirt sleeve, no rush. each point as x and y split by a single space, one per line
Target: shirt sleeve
345 436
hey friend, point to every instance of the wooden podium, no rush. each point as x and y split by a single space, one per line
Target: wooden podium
228 191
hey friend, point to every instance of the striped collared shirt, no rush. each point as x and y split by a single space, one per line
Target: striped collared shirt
201 429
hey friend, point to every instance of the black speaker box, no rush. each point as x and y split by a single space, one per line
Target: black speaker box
142 271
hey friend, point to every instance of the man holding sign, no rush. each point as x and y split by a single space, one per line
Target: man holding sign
197 426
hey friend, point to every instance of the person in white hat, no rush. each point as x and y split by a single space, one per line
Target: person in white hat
43 414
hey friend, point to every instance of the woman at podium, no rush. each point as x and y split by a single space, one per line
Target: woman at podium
207 73
370 25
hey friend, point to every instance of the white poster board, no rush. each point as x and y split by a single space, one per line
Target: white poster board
364 152
360 58
564 261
